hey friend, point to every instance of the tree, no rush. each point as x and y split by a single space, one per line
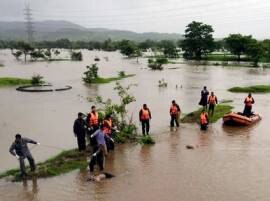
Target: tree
255 51
25 48
198 40
157 64
266 48
169 48
237 44
91 73
128 48
76 56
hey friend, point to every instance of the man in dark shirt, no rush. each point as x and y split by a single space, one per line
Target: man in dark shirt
79 129
20 149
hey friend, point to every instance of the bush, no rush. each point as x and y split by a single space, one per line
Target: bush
76 56
156 64
147 140
121 74
91 73
37 80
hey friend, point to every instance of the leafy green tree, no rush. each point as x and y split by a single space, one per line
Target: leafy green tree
157 63
266 48
255 51
76 56
91 73
25 48
198 40
36 54
237 44
147 44
17 54
128 48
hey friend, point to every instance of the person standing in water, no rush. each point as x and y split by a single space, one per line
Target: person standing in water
204 97
212 101
99 151
204 120
175 112
20 150
249 101
145 117
79 131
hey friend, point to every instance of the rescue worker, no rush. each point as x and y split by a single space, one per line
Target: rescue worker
204 97
204 120
145 117
100 151
108 131
175 112
79 131
20 150
93 124
212 101
249 101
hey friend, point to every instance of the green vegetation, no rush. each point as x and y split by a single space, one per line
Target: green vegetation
157 63
92 77
123 122
146 140
37 80
60 164
251 89
76 56
1 65
162 83
198 40
220 111
12 81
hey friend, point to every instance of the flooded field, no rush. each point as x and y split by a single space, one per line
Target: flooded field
229 163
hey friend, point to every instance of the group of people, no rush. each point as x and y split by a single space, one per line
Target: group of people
100 132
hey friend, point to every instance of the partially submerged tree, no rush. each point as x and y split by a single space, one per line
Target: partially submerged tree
76 56
91 73
237 44
25 48
255 51
157 63
198 40
128 48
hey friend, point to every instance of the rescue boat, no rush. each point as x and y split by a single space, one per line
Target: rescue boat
239 119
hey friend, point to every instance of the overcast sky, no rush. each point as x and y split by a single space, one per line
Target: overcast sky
226 16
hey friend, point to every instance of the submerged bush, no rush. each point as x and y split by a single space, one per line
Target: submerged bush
157 64
147 140
91 74
37 80
76 56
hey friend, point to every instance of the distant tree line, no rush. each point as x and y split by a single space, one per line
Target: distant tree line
198 44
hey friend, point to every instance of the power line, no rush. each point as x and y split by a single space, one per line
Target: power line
29 23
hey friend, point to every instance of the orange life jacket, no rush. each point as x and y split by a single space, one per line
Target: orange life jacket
108 126
145 114
204 118
249 101
212 100
94 119
174 109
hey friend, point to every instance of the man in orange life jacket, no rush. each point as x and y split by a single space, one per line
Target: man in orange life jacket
212 101
204 120
145 116
93 123
108 126
249 100
175 114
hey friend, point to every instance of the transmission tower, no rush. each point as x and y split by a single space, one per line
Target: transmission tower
29 23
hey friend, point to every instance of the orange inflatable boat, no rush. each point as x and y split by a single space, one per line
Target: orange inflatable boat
238 119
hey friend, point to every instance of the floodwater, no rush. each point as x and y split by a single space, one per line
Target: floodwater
229 163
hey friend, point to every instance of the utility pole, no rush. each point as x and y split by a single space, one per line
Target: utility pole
29 23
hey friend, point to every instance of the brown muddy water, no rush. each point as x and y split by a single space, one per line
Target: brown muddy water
229 164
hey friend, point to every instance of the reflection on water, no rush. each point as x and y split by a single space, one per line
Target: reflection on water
228 163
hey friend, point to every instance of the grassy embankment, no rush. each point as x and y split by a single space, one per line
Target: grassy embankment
64 162
12 81
101 80
251 89
220 111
